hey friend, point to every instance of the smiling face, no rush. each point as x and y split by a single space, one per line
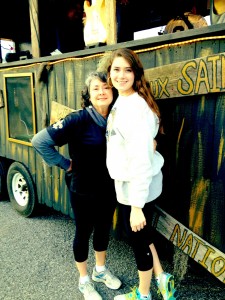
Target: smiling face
101 95
122 76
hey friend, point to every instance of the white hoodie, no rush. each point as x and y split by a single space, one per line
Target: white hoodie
131 159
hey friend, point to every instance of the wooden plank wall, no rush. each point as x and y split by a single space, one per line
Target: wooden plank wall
64 82
52 82
192 145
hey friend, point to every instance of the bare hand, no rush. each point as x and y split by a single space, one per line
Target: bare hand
137 219
154 145
70 167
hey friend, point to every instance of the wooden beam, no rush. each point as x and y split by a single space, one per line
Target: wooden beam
111 27
34 27
208 256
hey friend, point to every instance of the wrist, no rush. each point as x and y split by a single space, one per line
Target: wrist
70 166
135 208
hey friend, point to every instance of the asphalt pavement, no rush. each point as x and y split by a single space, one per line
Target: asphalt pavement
36 262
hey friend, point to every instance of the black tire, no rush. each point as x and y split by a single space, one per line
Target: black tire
21 189
3 187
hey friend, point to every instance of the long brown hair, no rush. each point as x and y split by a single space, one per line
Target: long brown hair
141 86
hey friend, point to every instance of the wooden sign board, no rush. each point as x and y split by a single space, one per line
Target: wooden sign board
212 259
59 111
188 78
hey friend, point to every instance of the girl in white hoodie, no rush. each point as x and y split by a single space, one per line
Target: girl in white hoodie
132 125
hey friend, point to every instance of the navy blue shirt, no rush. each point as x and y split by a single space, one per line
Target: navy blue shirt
87 149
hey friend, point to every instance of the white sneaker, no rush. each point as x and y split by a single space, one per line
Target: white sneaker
107 278
89 292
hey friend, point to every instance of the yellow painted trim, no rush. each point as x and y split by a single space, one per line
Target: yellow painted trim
30 76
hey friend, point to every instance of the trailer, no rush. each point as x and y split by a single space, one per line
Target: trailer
185 71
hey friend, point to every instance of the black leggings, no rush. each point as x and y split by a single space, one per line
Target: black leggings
92 214
140 240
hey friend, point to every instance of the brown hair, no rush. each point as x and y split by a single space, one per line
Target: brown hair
141 86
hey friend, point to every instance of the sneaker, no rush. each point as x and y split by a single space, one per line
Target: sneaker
165 283
133 295
107 278
89 292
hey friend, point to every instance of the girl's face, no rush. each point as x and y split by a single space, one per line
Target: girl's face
122 76
101 95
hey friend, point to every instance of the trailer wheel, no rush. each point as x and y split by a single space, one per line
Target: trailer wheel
21 189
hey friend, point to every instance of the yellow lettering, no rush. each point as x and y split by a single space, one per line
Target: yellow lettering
208 252
222 269
154 88
163 86
188 243
214 60
198 243
214 264
176 231
187 78
202 77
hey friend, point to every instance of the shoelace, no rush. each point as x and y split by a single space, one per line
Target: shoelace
89 287
108 274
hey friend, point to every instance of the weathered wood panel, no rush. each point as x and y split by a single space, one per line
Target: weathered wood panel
194 176
193 144
70 89
42 119
61 98
34 26
2 133
216 207
198 249
47 172
111 27
193 77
